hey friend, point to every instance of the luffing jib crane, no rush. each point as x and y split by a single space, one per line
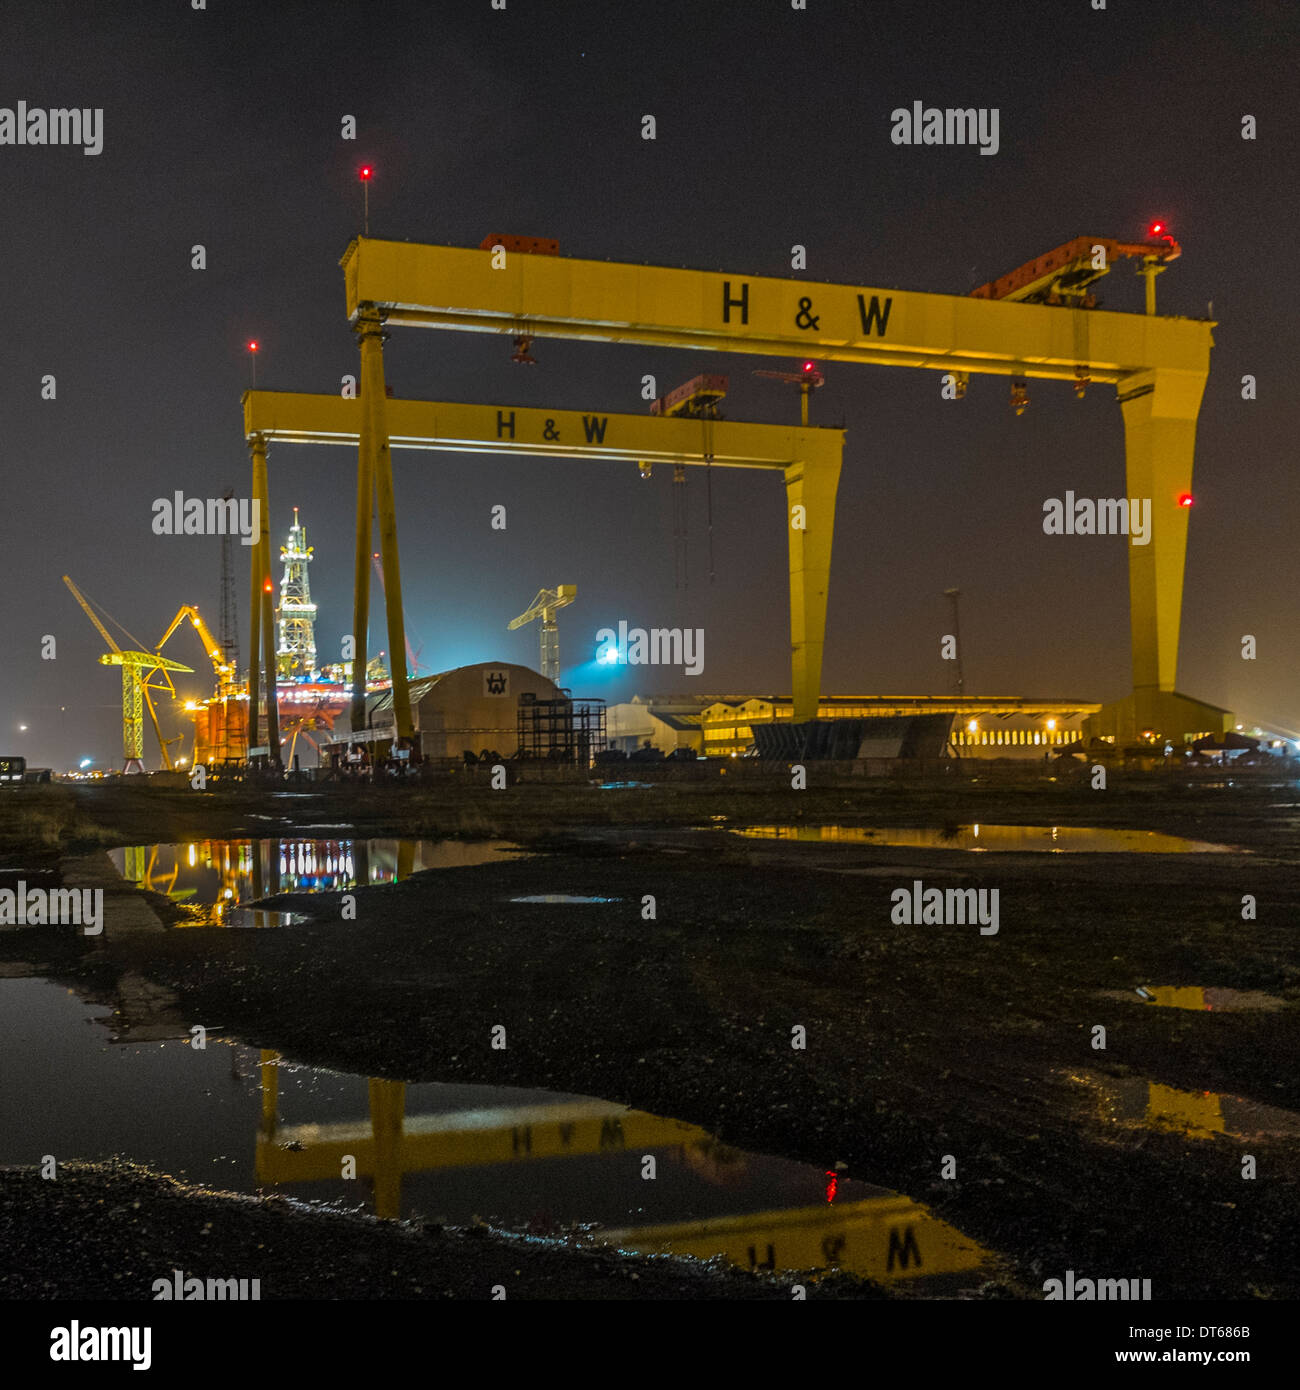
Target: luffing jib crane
544 606
223 669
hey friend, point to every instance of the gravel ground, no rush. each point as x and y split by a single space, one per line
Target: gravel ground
923 1041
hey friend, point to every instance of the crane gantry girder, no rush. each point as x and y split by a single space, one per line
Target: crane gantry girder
559 297
1158 364
807 458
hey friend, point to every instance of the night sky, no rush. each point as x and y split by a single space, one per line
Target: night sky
222 127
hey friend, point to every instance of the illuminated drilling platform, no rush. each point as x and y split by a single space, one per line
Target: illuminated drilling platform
296 615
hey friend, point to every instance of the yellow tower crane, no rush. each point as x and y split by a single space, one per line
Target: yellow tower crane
137 667
544 606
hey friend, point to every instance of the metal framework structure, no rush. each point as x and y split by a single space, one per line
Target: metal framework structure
561 731
1158 365
808 460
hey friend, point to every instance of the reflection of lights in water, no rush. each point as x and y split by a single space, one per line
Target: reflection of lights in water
832 1185
193 856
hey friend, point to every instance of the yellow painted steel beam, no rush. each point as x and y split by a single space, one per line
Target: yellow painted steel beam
459 427
464 1139
808 460
554 296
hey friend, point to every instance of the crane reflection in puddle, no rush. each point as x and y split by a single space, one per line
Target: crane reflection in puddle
756 1211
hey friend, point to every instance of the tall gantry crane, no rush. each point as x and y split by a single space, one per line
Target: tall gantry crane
137 668
545 606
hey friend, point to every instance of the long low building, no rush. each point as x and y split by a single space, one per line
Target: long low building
719 726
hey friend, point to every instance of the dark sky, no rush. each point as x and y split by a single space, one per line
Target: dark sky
222 127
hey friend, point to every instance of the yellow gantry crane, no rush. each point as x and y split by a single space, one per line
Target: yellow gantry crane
137 668
545 606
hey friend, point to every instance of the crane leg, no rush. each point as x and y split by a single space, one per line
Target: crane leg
255 609
387 1108
1160 409
810 516
361 586
266 598
378 456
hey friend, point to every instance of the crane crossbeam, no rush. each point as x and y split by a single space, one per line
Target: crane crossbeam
555 296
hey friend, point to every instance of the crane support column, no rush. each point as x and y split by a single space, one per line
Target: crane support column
387 1113
257 447
361 584
1160 407
810 515
377 458
264 598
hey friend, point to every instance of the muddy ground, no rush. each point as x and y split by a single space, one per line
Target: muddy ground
922 1041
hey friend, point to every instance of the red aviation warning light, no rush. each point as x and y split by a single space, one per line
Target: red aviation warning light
252 345
267 588
1156 229
365 174
1185 499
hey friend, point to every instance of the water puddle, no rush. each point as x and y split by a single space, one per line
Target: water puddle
215 880
531 1161
561 898
995 839
1136 1103
1211 1000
